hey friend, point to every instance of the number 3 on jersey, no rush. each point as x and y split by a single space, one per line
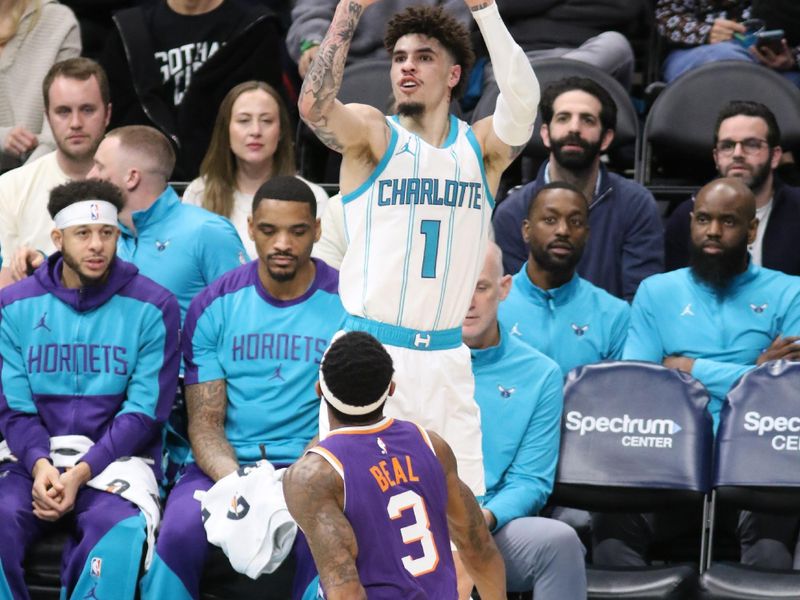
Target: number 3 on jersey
418 531
430 229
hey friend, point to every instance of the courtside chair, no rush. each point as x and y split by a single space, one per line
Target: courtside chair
757 468
636 437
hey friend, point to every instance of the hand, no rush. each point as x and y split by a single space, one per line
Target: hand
780 61
306 58
723 30
682 363
72 480
489 517
20 141
781 347
47 490
24 260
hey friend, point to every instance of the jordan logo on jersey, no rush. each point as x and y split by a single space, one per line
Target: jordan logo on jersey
42 324
515 330
406 149
687 311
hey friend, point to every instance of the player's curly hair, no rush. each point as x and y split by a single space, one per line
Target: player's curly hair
71 192
434 22
357 370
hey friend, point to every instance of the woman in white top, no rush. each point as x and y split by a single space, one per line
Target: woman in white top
252 141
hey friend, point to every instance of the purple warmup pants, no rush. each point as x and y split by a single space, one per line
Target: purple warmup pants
100 559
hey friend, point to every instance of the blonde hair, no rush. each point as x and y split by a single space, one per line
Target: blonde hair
17 13
150 143
218 168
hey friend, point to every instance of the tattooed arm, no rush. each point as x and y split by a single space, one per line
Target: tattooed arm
315 497
206 404
468 530
353 128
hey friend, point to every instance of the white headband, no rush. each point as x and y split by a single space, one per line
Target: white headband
349 409
86 212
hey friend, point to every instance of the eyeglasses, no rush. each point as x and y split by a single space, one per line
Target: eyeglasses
749 146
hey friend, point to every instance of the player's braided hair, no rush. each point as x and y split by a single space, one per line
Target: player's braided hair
357 370
434 22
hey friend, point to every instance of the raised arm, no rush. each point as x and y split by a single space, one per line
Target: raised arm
314 494
355 127
504 134
206 404
468 529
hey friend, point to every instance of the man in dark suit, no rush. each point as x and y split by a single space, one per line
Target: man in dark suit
747 145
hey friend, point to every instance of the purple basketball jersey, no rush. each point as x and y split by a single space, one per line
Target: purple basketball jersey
395 498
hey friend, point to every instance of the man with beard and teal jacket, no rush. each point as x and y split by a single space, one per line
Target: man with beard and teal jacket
716 319
549 306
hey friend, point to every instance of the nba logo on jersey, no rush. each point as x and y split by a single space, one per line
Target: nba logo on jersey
96 566
382 446
94 212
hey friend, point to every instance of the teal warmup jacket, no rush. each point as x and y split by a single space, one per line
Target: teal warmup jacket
519 391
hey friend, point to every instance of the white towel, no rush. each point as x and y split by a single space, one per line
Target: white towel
245 514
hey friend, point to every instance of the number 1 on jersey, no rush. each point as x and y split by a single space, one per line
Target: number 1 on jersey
430 229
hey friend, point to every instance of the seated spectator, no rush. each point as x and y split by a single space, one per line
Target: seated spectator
549 306
251 142
76 100
519 393
35 35
584 30
747 145
241 395
311 19
700 32
103 403
714 320
170 62
627 241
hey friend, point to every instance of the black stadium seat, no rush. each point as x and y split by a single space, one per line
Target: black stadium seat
757 469
636 437
679 131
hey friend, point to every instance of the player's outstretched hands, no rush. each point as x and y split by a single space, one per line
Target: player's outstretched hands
47 490
787 348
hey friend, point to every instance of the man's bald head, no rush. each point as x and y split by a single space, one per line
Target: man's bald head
146 149
731 191
493 265
480 329
723 224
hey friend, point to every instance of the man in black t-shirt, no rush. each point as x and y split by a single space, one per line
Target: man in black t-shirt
170 62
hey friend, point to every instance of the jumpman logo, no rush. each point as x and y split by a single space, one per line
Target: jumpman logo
92 595
41 323
515 330
687 311
406 148
277 373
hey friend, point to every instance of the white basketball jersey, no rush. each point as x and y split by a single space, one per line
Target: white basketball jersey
417 232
